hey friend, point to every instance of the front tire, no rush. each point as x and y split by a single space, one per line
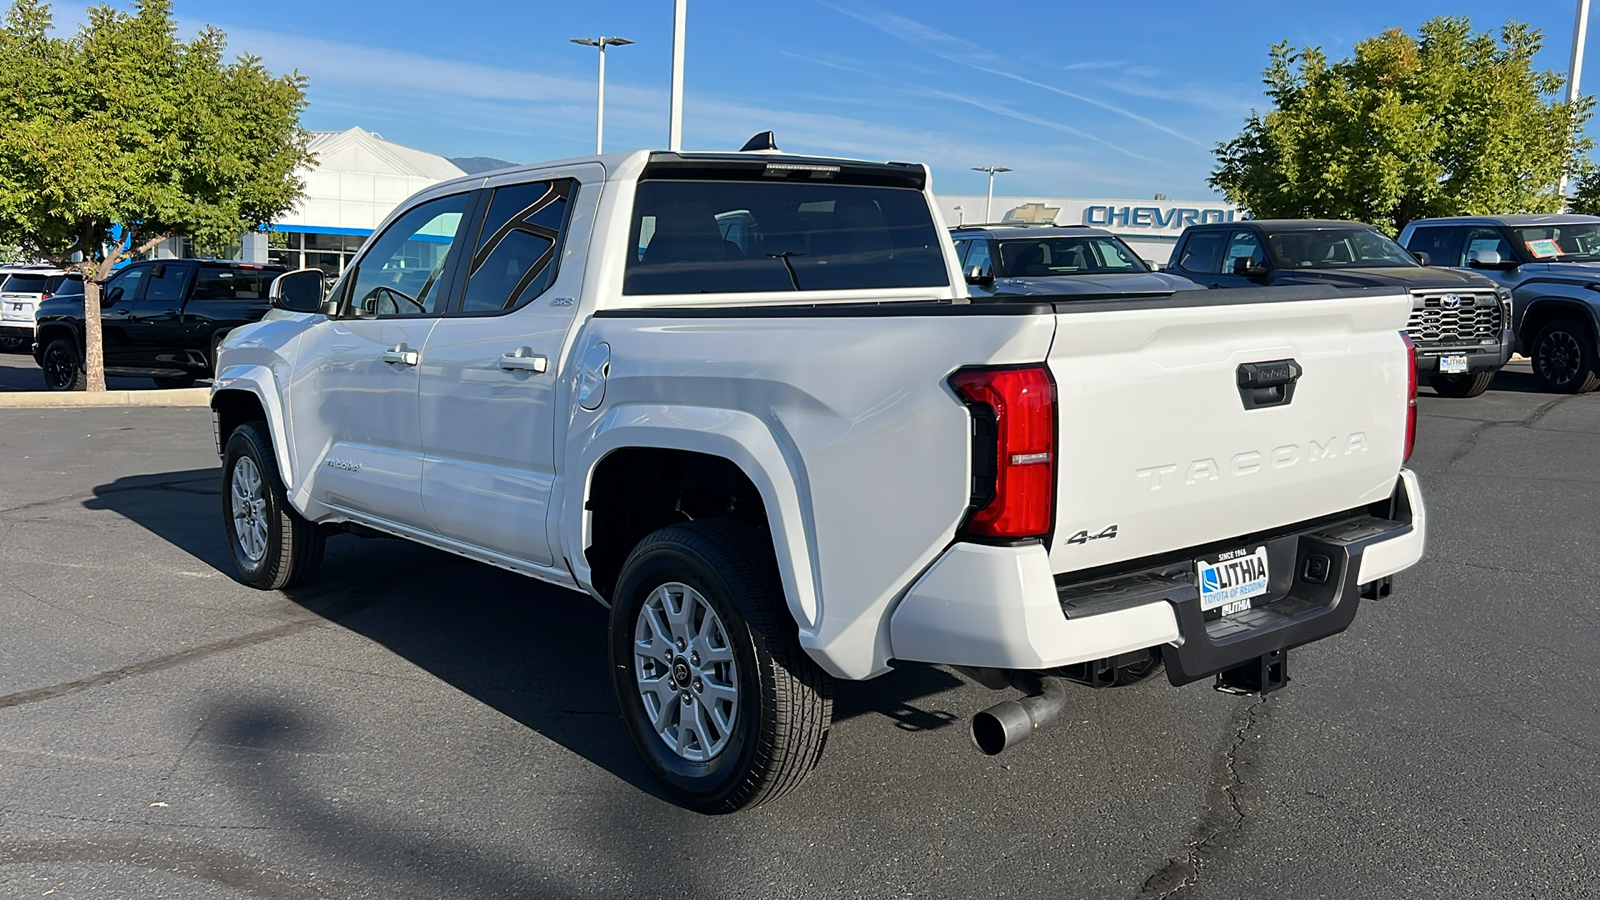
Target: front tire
63 370
1564 357
717 696
1466 384
273 546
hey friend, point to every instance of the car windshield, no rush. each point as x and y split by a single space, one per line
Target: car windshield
1577 242
1329 248
1082 255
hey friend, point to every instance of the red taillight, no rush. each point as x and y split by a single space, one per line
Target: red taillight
1411 394
1022 402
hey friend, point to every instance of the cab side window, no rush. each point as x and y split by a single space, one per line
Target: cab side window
1242 245
124 285
518 252
402 272
165 283
1443 245
978 257
1202 252
1486 239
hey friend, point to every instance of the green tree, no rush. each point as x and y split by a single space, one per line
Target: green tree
122 136
1449 122
1585 197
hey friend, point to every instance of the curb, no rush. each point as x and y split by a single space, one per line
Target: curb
66 399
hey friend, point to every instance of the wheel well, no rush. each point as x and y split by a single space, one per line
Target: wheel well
1543 313
638 490
50 332
232 409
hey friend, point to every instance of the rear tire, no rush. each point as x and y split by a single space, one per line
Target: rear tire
273 546
13 344
717 696
1466 384
1564 357
62 368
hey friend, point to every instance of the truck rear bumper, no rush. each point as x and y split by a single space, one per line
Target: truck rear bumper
1001 607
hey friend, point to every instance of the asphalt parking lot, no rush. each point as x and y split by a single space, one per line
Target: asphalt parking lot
415 725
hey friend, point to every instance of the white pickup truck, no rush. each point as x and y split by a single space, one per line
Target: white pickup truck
743 400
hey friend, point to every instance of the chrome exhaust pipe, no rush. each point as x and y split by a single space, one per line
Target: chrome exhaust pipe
1003 725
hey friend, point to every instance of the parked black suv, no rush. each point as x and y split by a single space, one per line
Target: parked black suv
161 319
1460 321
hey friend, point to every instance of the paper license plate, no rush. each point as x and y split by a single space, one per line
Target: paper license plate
1452 365
1232 580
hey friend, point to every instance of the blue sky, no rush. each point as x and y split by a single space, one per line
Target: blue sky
1080 99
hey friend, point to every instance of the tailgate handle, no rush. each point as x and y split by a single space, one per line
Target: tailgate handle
1271 383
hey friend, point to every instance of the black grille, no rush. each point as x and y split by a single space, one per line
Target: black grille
1467 319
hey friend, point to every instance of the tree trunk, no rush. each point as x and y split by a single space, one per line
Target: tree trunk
94 354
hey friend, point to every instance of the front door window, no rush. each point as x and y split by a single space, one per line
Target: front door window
402 273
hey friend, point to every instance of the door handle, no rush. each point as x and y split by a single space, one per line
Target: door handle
524 360
400 354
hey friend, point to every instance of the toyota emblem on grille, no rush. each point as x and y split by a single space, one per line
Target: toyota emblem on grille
1450 301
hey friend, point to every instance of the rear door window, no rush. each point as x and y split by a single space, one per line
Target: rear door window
517 254
694 237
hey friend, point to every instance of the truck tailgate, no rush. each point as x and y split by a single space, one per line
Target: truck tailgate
1157 450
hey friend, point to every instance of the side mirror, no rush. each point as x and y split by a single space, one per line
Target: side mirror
1247 266
1422 258
109 297
1488 259
297 291
975 275
1151 265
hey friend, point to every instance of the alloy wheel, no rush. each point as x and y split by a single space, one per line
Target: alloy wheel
1559 357
248 503
685 671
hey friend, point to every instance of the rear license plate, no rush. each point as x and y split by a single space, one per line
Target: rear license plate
1452 365
1230 582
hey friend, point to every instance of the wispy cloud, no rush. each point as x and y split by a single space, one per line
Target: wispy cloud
1003 110
962 52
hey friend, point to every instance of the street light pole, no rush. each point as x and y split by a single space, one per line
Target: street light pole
988 209
600 92
1575 70
680 13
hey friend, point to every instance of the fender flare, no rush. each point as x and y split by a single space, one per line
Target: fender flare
738 437
1575 305
259 382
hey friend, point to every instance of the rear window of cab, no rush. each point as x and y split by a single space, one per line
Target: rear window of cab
694 237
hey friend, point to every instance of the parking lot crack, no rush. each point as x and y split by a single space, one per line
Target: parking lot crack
1223 817
1470 442
193 654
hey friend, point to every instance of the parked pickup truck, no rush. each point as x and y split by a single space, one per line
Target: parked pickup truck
1550 264
1460 322
794 451
161 319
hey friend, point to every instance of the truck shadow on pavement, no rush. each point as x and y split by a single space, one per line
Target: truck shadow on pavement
534 652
